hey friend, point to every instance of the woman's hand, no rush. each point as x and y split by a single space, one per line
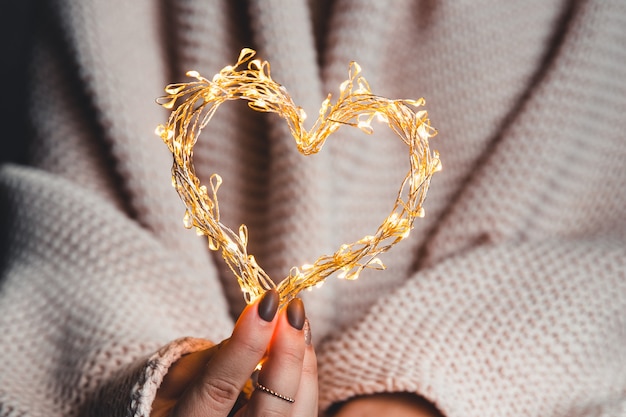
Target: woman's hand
208 383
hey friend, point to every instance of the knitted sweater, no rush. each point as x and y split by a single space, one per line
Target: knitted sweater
509 297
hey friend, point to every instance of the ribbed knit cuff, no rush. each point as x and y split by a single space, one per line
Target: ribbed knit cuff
132 391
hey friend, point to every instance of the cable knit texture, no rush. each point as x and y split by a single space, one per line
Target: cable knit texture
508 299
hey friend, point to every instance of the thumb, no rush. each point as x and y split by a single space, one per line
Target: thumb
218 386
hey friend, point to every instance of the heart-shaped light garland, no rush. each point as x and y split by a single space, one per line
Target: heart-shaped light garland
354 107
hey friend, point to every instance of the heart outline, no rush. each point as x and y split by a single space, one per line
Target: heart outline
356 108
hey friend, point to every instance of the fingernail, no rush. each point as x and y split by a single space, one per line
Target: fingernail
307 332
268 305
295 313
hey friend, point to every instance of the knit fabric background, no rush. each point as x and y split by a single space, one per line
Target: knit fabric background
509 297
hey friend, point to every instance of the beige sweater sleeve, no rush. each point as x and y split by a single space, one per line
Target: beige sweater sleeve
87 298
534 328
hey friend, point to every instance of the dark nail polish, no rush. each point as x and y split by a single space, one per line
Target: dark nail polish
268 305
295 313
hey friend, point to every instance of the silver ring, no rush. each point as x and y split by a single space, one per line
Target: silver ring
274 393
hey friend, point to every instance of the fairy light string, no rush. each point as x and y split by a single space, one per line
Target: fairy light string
194 103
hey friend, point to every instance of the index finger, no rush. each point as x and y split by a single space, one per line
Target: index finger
216 391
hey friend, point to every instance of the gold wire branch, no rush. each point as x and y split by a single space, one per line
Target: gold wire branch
356 106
